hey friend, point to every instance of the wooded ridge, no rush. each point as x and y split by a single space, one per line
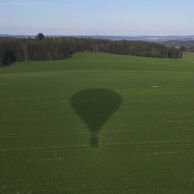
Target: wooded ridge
42 48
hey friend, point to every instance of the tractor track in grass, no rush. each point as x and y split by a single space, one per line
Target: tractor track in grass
138 144
61 134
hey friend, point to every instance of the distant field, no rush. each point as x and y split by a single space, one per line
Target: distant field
54 139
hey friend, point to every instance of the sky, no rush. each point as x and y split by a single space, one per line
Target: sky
97 17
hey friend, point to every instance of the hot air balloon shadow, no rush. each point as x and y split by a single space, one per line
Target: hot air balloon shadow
95 106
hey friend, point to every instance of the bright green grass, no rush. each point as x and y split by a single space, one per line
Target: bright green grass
145 147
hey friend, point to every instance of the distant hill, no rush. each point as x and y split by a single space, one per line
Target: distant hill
15 36
144 38
135 38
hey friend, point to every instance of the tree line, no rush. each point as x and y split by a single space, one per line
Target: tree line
47 48
184 46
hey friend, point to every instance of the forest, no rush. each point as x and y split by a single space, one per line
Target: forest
53 48
185 46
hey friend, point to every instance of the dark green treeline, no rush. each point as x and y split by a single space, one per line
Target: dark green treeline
41 48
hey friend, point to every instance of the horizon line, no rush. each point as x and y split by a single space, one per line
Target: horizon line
109 35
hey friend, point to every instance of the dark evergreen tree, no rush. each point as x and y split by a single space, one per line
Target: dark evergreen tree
40 36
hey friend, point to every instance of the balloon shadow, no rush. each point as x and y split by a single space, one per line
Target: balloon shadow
95 106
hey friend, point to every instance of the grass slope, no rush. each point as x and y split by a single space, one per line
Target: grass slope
144 147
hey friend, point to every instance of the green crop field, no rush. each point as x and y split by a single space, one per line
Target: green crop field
97 124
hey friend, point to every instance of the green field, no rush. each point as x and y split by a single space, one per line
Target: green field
97 124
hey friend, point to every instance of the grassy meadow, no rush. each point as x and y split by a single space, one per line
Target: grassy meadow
97 124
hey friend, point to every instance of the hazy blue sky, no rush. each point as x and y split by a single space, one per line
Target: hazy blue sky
97 17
